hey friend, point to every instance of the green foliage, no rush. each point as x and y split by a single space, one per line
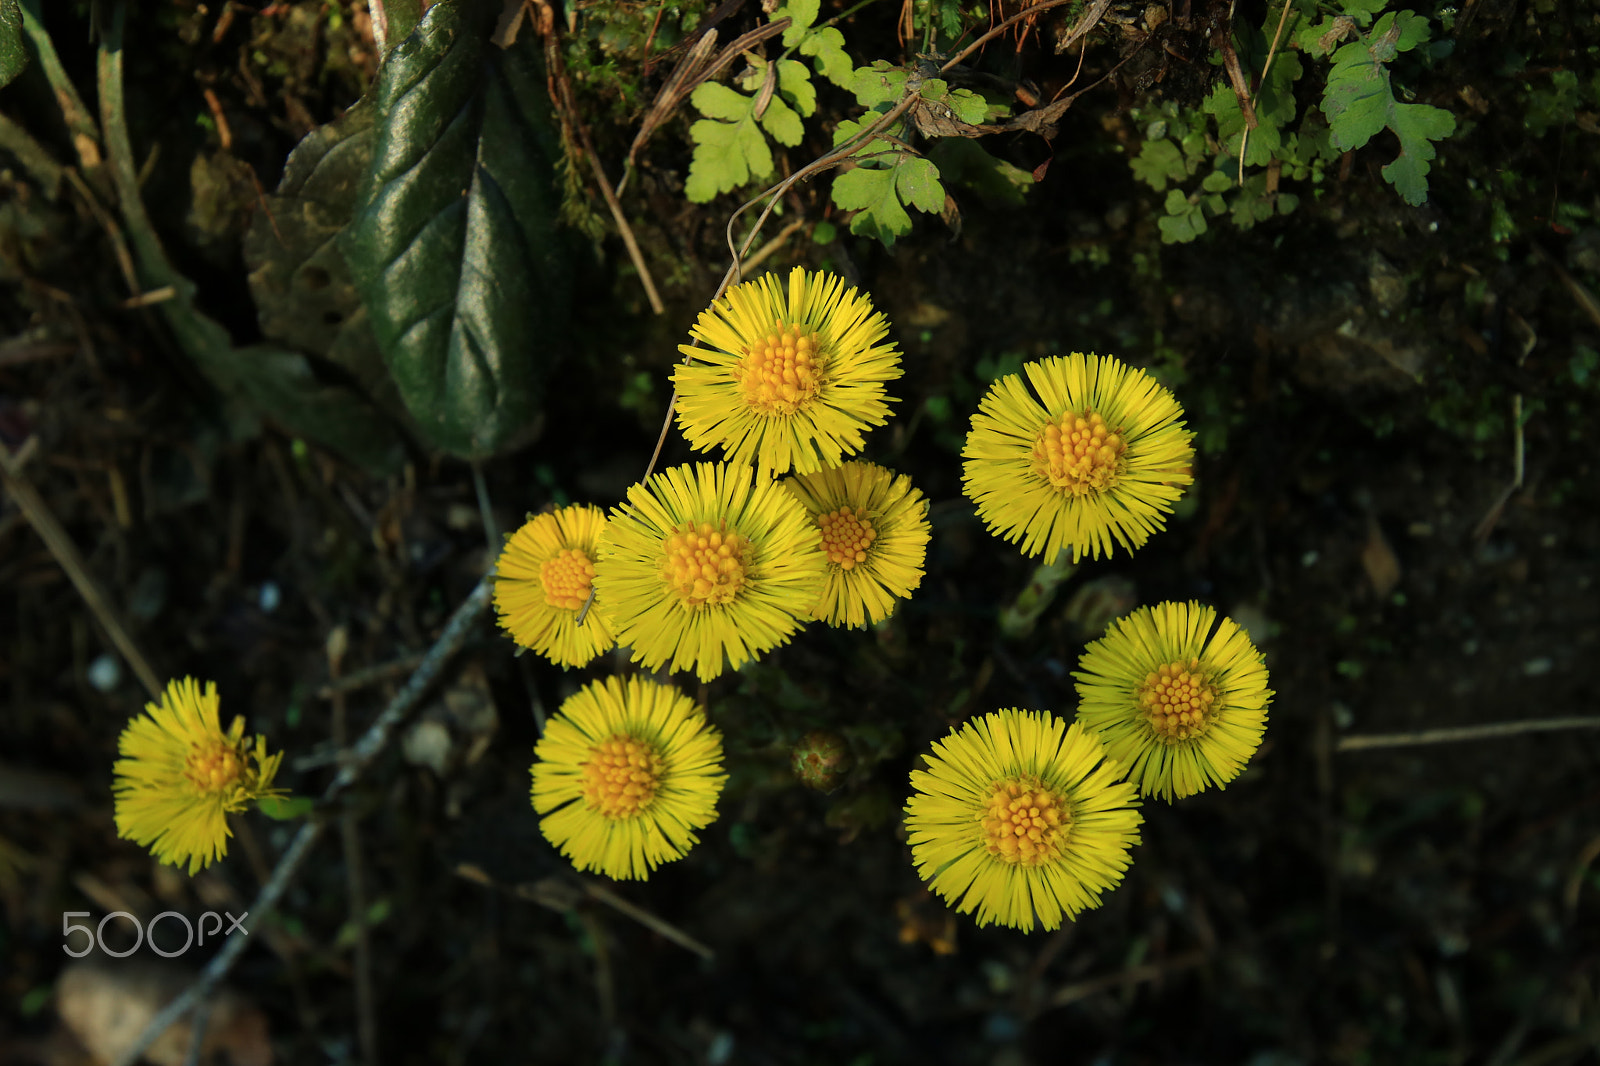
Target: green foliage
963 161
770 99
730 146
1274 107
1186 215
454 245
890 176
1179 147
1359 101
607 49
286 808
881 187
823 44
1547 106
13 54
730 142
937 19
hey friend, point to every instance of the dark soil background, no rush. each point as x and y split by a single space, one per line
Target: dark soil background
1351 371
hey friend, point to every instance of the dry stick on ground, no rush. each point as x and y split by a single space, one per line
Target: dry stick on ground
562 893
337 644
66 553
360 756
1487 731
1133 975
1519 451
370 675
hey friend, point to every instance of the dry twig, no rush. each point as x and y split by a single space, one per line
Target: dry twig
44 522
1454 734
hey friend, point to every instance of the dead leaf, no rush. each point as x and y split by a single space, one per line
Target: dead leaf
107 1008
1379 560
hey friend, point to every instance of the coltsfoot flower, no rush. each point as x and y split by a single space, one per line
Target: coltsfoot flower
625 774
542 583
706 567
1095 456
1177 696
874 529
1020 818
792 378
181 776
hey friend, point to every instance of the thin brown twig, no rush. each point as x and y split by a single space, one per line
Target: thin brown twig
693 69
1244 141
1519 444
1133 975
561 92
44 523
623 229
761 254
370 675
563 893
355 881
1085 24
119 246
1455 734
648 920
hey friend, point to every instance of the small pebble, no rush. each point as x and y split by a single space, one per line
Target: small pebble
270 597
1538 667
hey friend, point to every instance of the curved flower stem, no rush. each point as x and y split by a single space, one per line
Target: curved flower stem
356 761
1467 732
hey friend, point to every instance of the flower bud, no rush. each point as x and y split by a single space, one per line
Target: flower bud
820 760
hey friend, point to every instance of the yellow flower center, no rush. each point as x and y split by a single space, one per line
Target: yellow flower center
705 565
1079 453
781 371
565 579
1178 700
847 536
214 767
1025 822
621 776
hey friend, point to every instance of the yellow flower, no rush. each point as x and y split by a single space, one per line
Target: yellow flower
180 776
875 533
1178 698
542 582
788 380
705 568
626 772
1018 817
1094 456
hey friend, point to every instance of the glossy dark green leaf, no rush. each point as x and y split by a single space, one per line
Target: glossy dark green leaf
455 248
281 384
305 298
13 56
